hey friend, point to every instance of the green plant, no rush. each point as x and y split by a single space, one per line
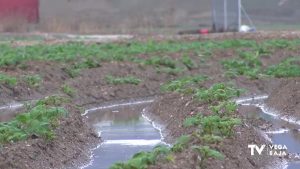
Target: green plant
188 62
224 108
211 139
193 121
161 61
217 92
122 80
205 153
9 80
68 90
181 143
215 125
53 100
142 160
39 121
183 84
247 64
287 68
72 72
86 63
33 80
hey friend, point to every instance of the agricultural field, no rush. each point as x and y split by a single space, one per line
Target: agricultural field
200 87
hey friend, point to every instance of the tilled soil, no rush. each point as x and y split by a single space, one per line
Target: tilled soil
285 99
74 139
172 109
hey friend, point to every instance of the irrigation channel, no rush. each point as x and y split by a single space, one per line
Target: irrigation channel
285 130
124 129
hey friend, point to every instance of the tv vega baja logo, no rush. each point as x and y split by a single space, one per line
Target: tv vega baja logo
269 149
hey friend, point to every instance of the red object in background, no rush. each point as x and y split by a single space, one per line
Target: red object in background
204 31
23 9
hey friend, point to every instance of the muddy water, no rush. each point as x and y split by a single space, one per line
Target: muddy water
8 112
284 131
124 132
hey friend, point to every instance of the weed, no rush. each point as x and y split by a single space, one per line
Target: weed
122 80
68 90
8 80
33 80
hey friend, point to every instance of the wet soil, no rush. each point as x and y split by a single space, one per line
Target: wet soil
285 99
74 138
173 109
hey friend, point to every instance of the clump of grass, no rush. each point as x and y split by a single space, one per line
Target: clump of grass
68 90
169 71
217 92
8 80
33 80
287 68
39 121
122 80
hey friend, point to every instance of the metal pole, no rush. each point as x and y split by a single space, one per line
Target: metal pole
225 15
239 14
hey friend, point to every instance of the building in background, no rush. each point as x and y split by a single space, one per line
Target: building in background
27 10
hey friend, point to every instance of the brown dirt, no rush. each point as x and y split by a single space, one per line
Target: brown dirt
172 109
285 98
74 137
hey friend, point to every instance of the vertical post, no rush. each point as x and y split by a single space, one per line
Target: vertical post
239 14
225 16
